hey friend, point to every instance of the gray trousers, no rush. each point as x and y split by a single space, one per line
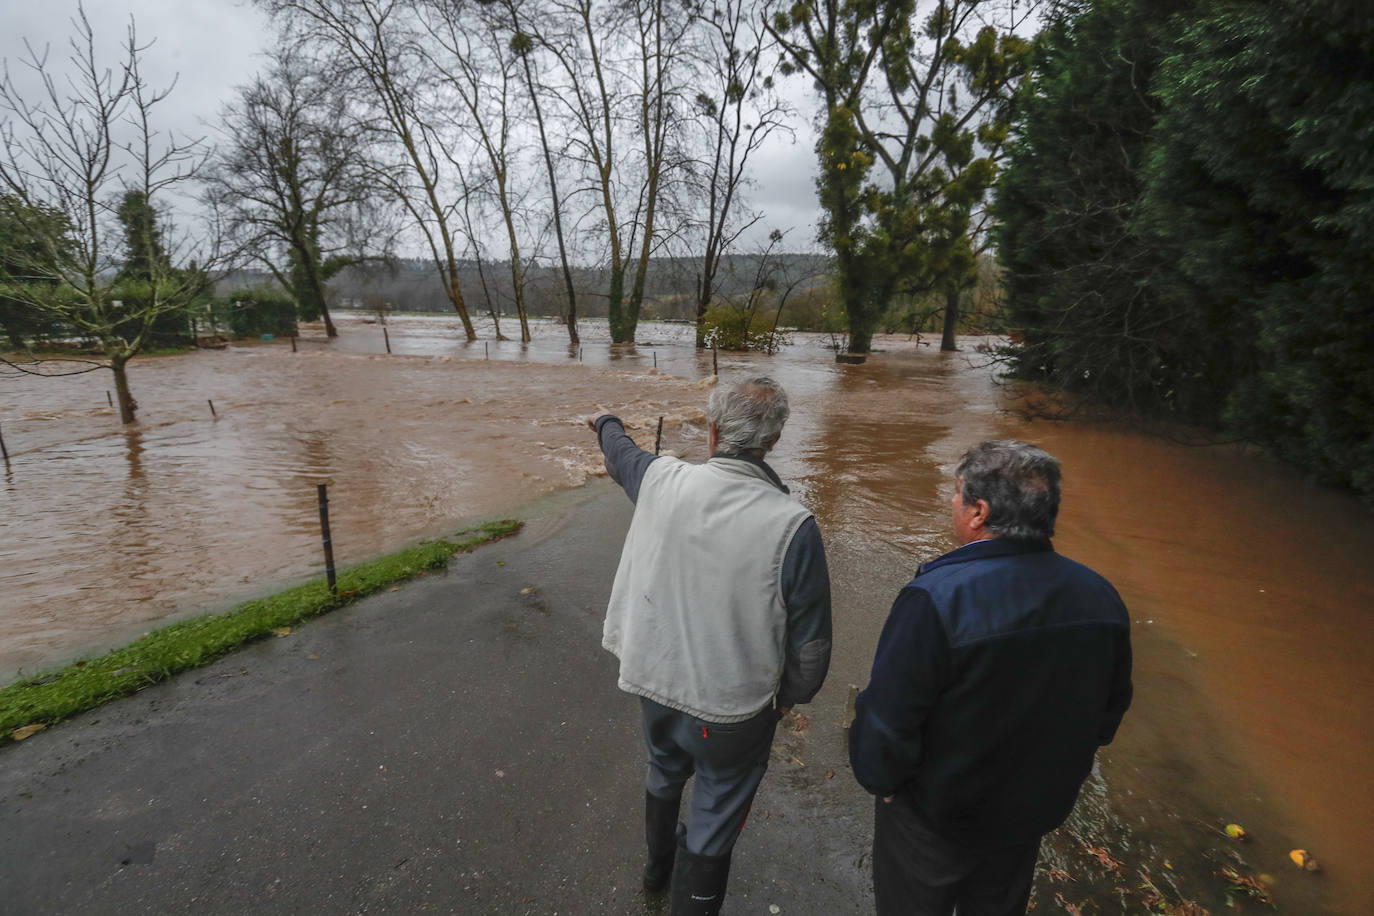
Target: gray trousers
728 760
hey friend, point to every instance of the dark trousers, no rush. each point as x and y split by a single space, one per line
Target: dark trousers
729 761
917 873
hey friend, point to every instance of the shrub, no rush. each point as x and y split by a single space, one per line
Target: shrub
729 327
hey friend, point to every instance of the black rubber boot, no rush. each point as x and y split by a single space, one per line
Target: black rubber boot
661 835
699 883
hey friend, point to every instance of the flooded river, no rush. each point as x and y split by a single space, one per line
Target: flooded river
1252 592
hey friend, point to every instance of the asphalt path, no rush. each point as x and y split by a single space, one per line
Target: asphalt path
457 745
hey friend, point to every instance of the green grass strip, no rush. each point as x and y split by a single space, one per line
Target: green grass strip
85 684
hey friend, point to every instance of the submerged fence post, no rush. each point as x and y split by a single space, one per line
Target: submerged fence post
293 343
212 408
4 452
328 541
109 397
387 338
715 364
486 349
658 439
655 359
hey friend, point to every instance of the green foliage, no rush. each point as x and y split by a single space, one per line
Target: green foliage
26 232
1188 220
189 644
915 119
1269 119
145 255
1082 283
144 276
256 312
729 327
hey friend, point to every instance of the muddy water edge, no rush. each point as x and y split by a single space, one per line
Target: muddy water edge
1251 593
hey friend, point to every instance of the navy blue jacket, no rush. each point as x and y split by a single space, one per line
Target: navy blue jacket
1001 669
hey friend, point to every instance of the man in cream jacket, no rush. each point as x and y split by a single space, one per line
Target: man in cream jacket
720 616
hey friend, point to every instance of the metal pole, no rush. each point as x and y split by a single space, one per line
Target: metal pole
109 397
212 407
387 338
655 359
4 452
715 364
658 439
486 350
328 541
293 343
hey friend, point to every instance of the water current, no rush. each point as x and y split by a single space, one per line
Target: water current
1251 591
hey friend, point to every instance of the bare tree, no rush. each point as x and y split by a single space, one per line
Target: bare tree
618 71
737 110
661 31
523 44
475 247
472 59
292 178
574 36
84 148
373 48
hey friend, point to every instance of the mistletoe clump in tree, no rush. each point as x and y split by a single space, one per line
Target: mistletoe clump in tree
916 100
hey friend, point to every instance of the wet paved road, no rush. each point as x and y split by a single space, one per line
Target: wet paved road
454 746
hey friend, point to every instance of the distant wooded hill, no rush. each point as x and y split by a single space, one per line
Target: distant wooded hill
409 285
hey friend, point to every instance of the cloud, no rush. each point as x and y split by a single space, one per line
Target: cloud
207 46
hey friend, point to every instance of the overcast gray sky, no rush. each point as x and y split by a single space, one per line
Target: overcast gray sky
212 46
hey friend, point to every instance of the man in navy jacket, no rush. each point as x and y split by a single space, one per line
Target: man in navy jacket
1001 669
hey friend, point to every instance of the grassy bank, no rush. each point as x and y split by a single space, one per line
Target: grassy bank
87 683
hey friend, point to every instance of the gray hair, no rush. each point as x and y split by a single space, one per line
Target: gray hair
748 415
1020 484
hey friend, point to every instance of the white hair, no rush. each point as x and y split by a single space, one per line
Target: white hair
749 415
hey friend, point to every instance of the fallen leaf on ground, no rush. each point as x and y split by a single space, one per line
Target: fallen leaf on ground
1072 909
500 774
529 591
281 631
1245 884
1100 853
1236 832
1303 859
19 734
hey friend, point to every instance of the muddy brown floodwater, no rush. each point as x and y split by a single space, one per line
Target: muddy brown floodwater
1252 593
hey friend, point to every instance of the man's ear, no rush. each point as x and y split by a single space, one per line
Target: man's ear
978 515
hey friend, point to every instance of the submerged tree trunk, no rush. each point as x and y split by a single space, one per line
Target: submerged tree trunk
523 48
622 325
454 293
308 282
951 319
127 405
517 273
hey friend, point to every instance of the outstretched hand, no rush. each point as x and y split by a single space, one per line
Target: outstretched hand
591 421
